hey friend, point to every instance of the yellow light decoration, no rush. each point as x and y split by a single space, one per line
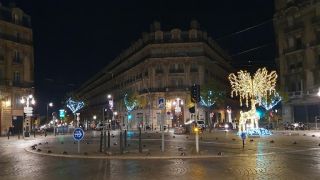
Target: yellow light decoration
260 86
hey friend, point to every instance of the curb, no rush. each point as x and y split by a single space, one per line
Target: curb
165 157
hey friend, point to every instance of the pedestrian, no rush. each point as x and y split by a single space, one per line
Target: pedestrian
8 133
45 133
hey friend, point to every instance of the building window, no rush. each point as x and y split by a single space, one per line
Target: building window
290 21
17 101
16 19
298 42
16 76
159 69
16 57
194 68
1 55
176 68
290 42
1 76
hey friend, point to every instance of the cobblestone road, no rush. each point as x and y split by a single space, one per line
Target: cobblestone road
288 157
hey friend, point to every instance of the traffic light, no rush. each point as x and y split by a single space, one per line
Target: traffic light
192 109
195 93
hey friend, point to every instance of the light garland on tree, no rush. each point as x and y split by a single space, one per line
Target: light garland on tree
261 85
255 88
207 101
129 105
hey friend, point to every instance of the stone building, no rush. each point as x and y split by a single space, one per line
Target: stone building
297 29
16 66
161 64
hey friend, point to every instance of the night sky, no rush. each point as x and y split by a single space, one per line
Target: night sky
75 39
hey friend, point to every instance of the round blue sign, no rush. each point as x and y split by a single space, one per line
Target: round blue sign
78 134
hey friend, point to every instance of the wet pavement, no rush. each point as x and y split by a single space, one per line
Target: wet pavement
284 155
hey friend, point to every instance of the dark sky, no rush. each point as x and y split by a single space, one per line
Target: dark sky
74 39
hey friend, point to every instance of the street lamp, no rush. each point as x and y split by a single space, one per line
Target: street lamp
50 104
28 101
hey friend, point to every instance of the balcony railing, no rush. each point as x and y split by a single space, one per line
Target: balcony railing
301 94
295 26
15 39
6 15
165 89
295 48
176 70
22 84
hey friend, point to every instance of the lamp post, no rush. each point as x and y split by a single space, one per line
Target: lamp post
27 100
317 118
50 104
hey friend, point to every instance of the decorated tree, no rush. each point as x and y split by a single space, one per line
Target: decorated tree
211 95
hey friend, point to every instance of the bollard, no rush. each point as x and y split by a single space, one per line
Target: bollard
104 141
108 139
125 138
34 133
100 149
121 143
140 147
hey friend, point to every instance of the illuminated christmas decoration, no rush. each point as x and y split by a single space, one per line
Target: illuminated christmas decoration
252 89
130 105
74 106
208 100
274 100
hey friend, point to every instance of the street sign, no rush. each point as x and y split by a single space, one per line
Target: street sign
78 134
161 103
61 113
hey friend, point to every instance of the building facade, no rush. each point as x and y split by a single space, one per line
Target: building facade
16 66
161 64
297 29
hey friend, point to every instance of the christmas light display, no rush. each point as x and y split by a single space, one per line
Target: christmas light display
274 100
130 105
74 106
252 89
207 101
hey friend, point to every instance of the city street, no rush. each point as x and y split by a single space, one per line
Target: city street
280 156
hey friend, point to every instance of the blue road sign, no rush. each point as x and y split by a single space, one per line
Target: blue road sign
161 103
78 134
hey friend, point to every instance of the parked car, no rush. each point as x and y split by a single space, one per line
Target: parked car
100 126
295 126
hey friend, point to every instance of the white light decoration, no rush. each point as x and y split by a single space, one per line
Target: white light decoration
255 88
209 99
275 99
74 106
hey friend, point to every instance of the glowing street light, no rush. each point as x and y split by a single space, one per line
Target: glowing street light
27 100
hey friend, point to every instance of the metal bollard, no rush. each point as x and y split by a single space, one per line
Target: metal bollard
140 143
108 139
100 149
